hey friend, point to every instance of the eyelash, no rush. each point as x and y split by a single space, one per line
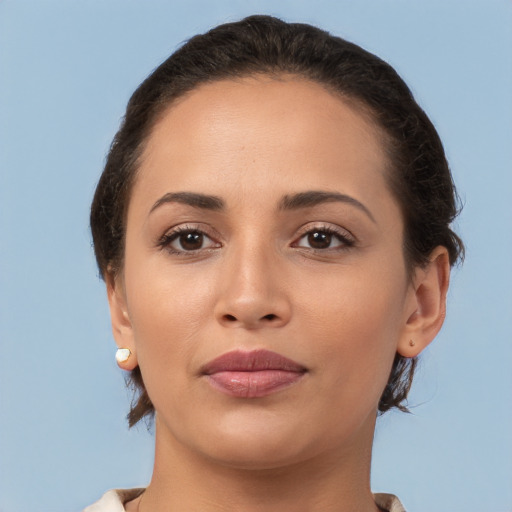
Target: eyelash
165 242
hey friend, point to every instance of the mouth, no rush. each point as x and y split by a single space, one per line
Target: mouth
252 374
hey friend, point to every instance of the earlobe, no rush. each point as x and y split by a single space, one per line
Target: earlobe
121 325
428 309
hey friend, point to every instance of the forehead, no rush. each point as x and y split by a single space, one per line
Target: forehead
252 132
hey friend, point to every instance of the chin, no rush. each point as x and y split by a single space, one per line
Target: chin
248 439
260 443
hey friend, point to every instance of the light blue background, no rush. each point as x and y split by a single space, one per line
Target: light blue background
67 69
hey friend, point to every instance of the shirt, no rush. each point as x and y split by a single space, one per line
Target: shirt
113 501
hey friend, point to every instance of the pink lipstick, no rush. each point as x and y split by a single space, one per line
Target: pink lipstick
252 374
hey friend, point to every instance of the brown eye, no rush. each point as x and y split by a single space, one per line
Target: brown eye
319 239
190 241
186 240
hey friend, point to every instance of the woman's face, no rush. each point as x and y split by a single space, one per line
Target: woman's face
261 220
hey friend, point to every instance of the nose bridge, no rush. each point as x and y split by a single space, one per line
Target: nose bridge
253 294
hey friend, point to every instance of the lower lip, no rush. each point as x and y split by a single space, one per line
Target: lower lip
253 384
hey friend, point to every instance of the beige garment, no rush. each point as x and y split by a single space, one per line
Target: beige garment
113 501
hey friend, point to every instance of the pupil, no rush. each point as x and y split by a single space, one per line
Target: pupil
191 241
319 240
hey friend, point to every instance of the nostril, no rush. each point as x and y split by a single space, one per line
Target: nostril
249 321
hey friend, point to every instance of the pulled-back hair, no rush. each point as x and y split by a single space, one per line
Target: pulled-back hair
418 177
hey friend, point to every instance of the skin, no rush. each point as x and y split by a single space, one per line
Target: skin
342 309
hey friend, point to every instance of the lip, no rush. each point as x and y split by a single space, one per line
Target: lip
252 374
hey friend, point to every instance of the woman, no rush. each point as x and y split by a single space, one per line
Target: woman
272 225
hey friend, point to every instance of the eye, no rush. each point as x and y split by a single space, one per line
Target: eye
190 241
324 238
183 239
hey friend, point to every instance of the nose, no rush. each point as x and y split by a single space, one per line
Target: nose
253 293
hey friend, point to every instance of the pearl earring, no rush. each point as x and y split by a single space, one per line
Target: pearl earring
122 355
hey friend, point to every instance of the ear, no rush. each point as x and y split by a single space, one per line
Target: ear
121 324
427 306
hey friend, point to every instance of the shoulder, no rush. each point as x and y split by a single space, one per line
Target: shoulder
388 502
114 500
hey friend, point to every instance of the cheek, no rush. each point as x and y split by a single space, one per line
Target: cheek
354 321
168 313
168 310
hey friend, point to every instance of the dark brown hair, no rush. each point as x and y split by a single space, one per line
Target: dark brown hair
419 176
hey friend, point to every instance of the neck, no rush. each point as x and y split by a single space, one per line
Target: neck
334 481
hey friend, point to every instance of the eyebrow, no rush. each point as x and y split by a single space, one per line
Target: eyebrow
288 202
317 197
202 201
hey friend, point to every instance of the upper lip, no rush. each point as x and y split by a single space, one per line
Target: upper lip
252 361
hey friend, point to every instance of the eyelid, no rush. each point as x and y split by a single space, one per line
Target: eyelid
191 226
326 226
